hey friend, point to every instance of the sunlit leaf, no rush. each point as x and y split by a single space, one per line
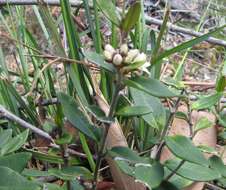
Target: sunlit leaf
150 86
183 148
131 17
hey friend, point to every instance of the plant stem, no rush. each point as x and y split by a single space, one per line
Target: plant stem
107 126
65 156
167 127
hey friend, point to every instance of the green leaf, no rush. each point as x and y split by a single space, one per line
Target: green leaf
15 143
125 167
98 114
221 84
5 136
71 173
157 117
151 176
178 181
75 185
51 158
207 101
203 123
181 115
99 61
16 162
187 44
109 10
11 180
52 186
75 70
207 149
131 17
125 153
150 86
75 115
130 111
183 148
216 163
66 138
35 173
193 171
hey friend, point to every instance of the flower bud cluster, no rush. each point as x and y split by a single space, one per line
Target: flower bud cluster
124 58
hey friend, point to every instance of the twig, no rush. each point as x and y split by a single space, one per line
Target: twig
149 20
191 136
107 126
10 116
213 187
197 83
212 40
37 2
167 127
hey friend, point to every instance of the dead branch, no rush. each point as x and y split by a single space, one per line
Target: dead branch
149 20
10 116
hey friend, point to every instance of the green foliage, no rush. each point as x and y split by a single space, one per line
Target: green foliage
183 148
131 17
150 86
139 101
76 117
193 172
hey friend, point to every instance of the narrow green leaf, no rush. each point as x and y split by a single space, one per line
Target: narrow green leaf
15 143
35 173
75 71
109 10
207 101
131 17
124 153
203 123
99 61
187 44
75 115
51 158
70 173
130 111
98 114
181 115
150 86
183 148
193 171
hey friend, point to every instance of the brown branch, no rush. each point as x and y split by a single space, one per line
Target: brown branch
10 116
37 2
212 40
149 20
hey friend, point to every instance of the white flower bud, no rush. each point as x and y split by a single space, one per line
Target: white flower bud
124 49
117 59
144 67
109 48
107 55
140 58
131 55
